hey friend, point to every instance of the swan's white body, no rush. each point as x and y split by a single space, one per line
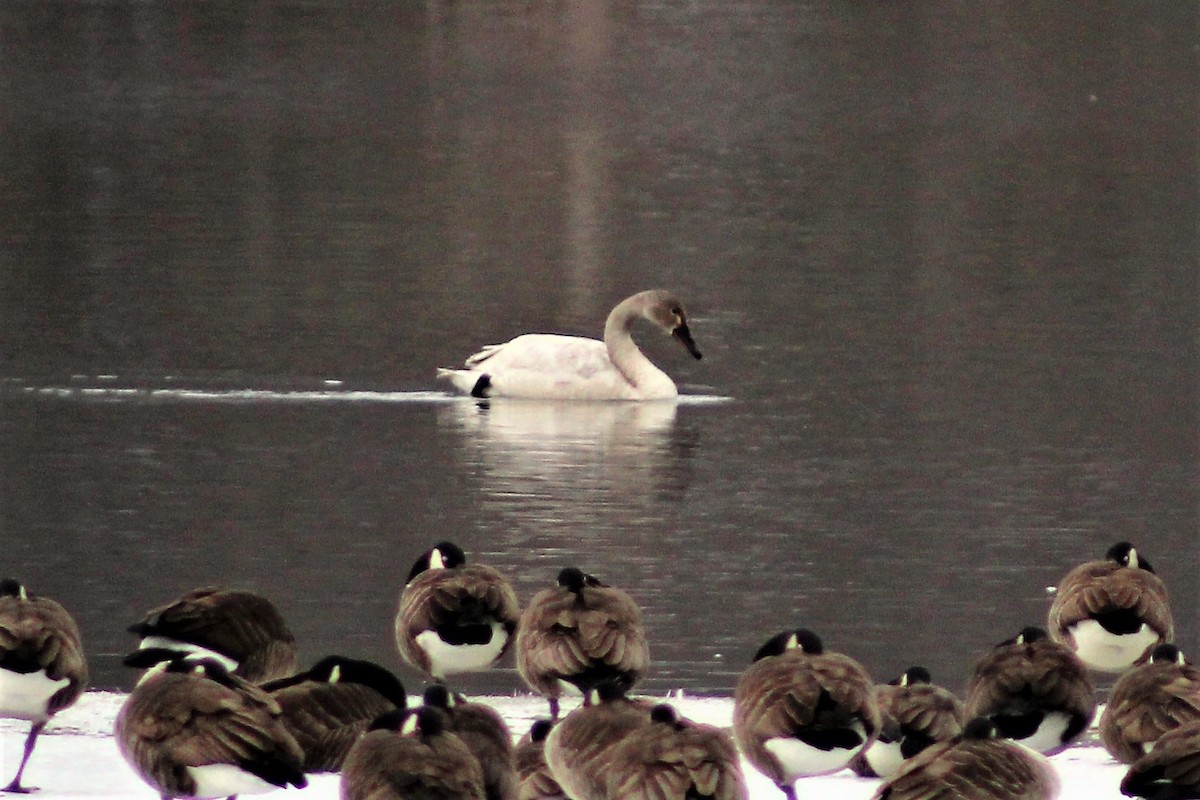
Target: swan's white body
556 367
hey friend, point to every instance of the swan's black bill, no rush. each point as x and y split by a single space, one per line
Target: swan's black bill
685 337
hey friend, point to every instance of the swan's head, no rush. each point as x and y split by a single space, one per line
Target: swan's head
664 310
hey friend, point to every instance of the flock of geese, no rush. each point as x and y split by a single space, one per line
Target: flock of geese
221 708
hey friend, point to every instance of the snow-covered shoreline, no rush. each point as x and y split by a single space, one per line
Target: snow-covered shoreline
77 758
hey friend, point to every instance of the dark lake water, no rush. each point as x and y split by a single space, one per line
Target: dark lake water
942 260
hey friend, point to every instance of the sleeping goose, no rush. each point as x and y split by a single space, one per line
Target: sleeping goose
533 773
454 617
410 754
976 765
241 630
485 734
1037 691
674 758
190 728
327 707
579 749
42 666
580 634
556 367
1171 769
1149 700
1112 612
798 710
914 714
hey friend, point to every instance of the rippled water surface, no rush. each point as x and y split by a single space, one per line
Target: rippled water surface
941 260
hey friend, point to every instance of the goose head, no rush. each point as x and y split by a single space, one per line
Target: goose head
443 555
801 639
1127 555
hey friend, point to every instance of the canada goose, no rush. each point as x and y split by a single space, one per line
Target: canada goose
242 631
798 710
190 728
327 707
1113 612
578 635
976 765
42 666
454 616
556 367
484 733
579 748
536 781
1149 700
914 713
1171 769
1037 691
410 754
675 759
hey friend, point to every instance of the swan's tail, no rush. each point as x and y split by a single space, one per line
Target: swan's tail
476 384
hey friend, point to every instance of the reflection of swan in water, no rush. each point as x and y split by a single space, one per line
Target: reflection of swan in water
572 463
554 367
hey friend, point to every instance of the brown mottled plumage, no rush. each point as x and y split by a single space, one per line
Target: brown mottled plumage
485 734
533 773
186 715
976 765
42 665
243 627
579 748
1020 683
583 633
1171 769
1119 595
409 754
1148 701
453 616
914 713
330 705
796 696
675 759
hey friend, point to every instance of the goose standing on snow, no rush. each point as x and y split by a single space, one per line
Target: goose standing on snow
914 714
557 367
454 617
976 765
578 635
1036 691
190 728
1113 612
327 707
798 710
242 631
42 666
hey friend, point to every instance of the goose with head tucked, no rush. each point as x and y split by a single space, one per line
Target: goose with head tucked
533 773
241 630
578 635
485 734
454 617
1170 770
978 764
557 367
327 707
1149 700
1036 691
580 748
192 729
799 710
42 666
1113 612
914 713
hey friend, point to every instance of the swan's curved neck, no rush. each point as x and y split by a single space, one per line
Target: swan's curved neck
625 355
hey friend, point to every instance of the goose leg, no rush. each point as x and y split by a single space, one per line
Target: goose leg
553 708
16 786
